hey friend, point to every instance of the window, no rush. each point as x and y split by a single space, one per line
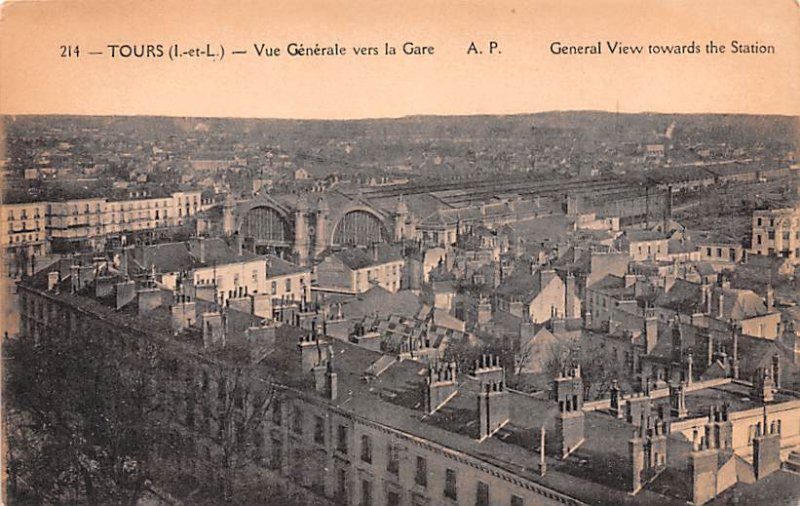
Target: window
366 449
719 252
366 493
760 222
274 288
297 420
341 439
482 494
255 275
450 484
392 498
392 459
516 500
288 285
786 236
276 412
758 239
771 235
421 476
341 484
319 430
708 252
276 459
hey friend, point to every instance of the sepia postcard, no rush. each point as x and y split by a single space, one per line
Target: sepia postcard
407 253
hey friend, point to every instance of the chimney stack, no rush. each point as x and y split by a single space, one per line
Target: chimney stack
770 298
183 312
776 371
493 405
53 278
125 292
616 400
310 354
570 311
568 390
331 378
440 385
650 330
763 385
735 358
213 329
677 400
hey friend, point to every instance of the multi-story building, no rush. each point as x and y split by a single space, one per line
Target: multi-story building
356 270
644 244
22 235
76 224
777 232
358 427
80 224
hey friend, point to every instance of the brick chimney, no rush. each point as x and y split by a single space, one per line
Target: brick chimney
493 400
237 243
53 278
201 247
648 452
569 298
703 469
766 450
568 390
183 313
310 352
74 277
677 400
331 378
213 328
440 385
616 400
677 341
125 292
776 371
763 385
650 332
735 357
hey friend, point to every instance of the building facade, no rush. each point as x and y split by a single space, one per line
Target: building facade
777 232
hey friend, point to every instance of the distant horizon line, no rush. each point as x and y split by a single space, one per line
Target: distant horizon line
408 116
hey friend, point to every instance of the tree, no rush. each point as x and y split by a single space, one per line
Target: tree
244 397
77 418
598 366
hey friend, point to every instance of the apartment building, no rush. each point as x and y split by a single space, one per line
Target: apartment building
22 235
776 232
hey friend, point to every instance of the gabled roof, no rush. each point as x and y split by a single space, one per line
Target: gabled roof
277 266
741 304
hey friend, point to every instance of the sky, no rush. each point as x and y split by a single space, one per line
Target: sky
522 75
